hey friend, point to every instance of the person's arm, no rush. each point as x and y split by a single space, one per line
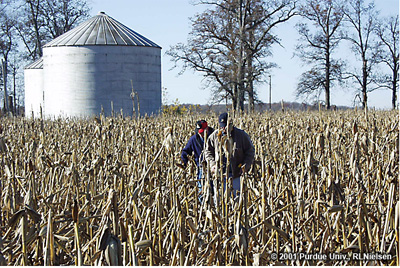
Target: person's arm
188 150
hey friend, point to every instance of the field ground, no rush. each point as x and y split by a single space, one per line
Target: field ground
323 190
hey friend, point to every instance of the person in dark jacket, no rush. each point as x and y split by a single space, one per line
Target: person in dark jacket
195 146
242 151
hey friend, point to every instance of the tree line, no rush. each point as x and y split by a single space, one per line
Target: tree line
231 45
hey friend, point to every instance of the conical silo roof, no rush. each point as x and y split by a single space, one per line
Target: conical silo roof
38 64
101 30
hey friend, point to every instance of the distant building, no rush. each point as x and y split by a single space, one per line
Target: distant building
90 67
34 93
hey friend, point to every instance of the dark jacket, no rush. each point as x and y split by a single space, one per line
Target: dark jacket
243 153
195 145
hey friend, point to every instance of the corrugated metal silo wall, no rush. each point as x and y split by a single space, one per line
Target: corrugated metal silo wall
33 91
79 80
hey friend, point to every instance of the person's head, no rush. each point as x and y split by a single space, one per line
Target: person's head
201 126
223 122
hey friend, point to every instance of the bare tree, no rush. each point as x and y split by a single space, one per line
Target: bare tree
362 20
210 50
7 44
260 37
60 16
317 48
42 20
17 81
229 42
388 33
30 27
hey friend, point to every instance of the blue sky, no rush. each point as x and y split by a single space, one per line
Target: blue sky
167 23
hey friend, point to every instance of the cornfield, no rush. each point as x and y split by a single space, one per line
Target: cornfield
110 191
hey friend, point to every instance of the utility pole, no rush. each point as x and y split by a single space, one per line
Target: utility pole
270 104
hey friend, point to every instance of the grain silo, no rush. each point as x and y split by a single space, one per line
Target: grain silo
33 74
96 64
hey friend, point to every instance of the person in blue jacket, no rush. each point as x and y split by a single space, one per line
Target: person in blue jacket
195 146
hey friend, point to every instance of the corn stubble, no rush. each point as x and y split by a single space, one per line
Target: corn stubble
110 191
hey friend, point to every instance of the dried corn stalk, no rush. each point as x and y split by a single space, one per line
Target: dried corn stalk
106 191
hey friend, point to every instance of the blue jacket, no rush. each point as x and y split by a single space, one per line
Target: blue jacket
195 145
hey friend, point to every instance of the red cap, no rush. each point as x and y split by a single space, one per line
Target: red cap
204 125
